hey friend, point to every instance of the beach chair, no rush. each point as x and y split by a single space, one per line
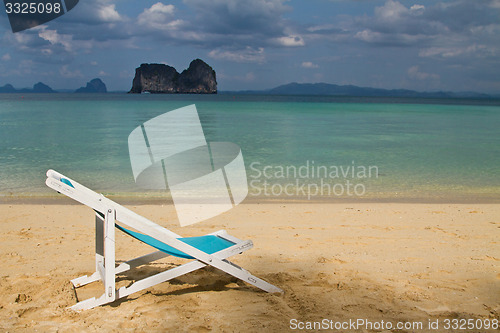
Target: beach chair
209 250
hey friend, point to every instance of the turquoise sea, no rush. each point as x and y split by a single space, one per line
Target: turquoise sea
447 150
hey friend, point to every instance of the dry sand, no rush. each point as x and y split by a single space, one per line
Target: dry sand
378 261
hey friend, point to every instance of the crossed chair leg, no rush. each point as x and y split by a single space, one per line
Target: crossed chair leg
106 269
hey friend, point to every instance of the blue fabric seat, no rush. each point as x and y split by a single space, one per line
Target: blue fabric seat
208 244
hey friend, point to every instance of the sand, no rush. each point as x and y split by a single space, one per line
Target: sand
340 262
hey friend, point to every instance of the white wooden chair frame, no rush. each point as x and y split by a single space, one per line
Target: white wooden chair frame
108 213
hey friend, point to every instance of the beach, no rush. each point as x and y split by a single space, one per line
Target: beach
373 215
352 146
405 263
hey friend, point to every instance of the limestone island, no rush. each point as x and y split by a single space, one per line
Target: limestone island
94 86
199 78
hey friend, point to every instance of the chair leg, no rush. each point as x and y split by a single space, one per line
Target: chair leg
105 263
99 254
160 278
109 255
83 280
106 270
171 274
99 241
145 259
89 303
140 285
244 275
123 267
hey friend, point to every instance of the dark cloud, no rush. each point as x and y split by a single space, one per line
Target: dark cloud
462 16
93 23
233 30
240 17
94 12
395 23
249 55
95 20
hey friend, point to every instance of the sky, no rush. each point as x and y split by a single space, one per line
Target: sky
260 44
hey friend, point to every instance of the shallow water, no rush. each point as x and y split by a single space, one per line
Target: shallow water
420 148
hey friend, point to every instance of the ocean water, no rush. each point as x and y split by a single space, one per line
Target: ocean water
294 147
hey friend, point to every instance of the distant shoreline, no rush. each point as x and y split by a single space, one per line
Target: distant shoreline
235 96
298 89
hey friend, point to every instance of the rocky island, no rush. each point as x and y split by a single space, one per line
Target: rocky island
199 78
38 88
94 86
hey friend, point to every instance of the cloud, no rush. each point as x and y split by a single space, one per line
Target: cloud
234 30
260 17
159 17
93 12
159 22
434 35
445 52
459 29
238 24
65 72
158 10
98 21
26 67
54 38
290 41
24 41
391 11
394 24
417 8
250 76
94 23
41 44
247 77
108 13
308 64
6 57
369 36
474 50
415 73
246 55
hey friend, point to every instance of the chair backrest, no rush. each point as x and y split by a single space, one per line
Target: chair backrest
101 204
